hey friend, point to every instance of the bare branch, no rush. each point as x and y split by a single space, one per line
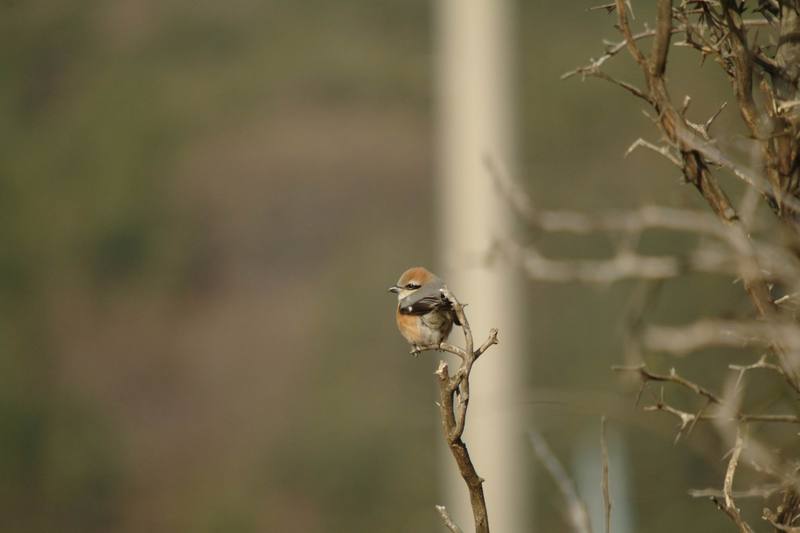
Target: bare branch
576 508
662 150
688 419
762 491
727 488
611 51
453 404
448 522
604 480
765 262
658 59
772 518
760 364
673 377
630 42
681 340
743 80
626 264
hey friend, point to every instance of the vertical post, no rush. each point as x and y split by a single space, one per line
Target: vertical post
475 40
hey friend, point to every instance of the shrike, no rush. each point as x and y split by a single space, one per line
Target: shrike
424 317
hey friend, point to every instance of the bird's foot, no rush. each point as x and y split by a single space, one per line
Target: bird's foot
415 351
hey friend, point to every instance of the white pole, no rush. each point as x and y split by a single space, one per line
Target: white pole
475 111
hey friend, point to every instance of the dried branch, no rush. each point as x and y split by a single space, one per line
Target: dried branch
576 508
453 403
661 150
637 220
681 340
448 522
772 518
647 375
628 221
716 30
630 42
658 59
695 168
787 513
727 488
762 491
725 414
762 364
604 479
743 61
673 377
626 264
611 51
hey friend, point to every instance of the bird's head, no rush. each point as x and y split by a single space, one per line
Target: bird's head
410 281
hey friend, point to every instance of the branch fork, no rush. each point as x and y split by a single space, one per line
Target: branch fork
453 403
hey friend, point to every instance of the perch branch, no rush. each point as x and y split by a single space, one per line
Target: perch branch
453 403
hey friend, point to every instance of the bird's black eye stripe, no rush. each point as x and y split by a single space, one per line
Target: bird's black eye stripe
412 285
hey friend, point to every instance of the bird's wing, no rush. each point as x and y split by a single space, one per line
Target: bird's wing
426 299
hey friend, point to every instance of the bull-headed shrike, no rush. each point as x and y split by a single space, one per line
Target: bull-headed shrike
424 316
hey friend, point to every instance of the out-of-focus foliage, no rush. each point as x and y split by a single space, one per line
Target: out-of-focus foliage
184 188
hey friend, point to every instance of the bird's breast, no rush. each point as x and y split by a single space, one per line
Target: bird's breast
409 326
428 329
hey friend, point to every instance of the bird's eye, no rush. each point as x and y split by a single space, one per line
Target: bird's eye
413 285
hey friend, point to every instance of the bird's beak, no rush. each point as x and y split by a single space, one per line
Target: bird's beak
394 288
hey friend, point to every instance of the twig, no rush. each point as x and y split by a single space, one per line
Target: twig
681 340
763 492
630 41
453 403
716 29
577 514
604 480
673 377
727 488
658 56
762 364
626 264
448 522
662 150
772 518
629 221
611 51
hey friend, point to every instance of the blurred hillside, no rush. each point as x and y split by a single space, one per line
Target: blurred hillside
202 205
185 190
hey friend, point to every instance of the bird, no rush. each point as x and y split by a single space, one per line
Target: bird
424 316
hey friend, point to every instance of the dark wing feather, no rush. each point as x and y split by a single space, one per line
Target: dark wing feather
426 299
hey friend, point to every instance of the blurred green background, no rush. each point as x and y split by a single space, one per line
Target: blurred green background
192 193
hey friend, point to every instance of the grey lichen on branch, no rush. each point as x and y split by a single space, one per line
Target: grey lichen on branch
453 404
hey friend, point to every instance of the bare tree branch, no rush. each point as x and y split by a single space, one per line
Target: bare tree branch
453 403
727 488
448 522
765 263
604 478
577 515
763 492
673 377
